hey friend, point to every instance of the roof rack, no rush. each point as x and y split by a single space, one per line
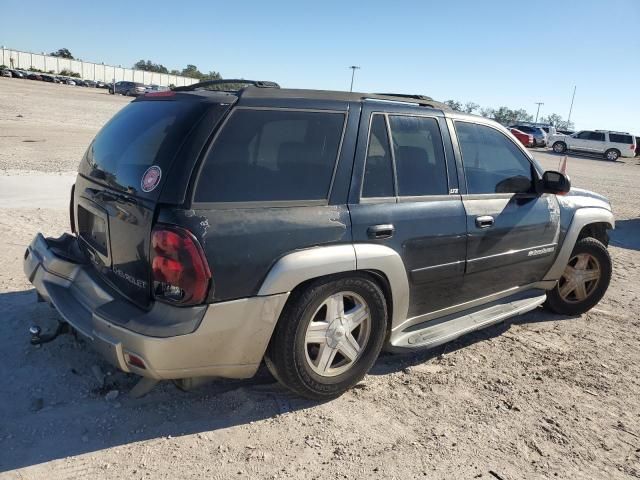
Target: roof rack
421 100
405 95
613 131
233 82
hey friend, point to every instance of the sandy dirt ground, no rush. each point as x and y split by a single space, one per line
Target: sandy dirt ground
538 396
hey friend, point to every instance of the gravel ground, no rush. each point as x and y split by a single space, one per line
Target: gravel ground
538 396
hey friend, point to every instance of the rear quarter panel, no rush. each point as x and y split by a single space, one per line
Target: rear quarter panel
242 244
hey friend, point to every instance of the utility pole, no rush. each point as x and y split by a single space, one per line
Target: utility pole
538 103
571 107
353 73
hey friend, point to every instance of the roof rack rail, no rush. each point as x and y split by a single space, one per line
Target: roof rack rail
421 100
405 95
234 82
613 131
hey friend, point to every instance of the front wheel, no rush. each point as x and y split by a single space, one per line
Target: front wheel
559 147
328 337
584 281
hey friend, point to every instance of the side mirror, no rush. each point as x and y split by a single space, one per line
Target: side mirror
555 182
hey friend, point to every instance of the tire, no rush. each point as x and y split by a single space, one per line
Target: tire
559 147
612 154
311 369
565 301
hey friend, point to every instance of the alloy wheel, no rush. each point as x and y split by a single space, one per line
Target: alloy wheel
337 334
580 278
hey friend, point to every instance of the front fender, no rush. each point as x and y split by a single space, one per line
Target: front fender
581 218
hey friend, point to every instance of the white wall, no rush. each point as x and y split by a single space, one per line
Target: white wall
88 70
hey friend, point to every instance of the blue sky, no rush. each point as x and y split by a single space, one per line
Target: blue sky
491 52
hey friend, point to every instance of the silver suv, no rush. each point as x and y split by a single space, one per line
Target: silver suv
611 145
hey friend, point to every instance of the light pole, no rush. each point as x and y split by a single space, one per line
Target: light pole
538 103
571 107
353 73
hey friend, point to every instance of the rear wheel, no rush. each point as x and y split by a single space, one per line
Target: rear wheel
584 281
612 154
559 147
328 337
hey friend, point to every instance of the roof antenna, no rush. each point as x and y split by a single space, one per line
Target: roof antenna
353 73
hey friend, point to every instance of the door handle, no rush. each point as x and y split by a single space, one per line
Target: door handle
380 231
485 221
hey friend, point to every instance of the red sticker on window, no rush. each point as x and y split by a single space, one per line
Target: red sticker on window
151 178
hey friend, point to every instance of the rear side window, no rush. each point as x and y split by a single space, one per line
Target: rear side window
419 155
142 134
492 162
596 136
620 138
378 174
272 155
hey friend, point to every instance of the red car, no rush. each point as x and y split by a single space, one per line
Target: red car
525 138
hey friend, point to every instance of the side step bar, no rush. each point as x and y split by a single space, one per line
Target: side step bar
436 332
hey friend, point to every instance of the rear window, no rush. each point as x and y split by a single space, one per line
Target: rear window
140 135
272 155
620 138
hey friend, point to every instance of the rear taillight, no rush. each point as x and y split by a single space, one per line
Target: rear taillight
166 93
180 271
632 147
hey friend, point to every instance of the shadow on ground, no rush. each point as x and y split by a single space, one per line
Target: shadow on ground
626 234
53 405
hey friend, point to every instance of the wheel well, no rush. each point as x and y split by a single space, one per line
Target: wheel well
597 231
375 276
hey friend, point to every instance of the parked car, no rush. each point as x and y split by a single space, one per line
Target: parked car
611 145
281 225
70 81
128 88
48 78
155 88
6 73
102 85
90 83
34 76
525 138
539 135
18 73
80 82
637 139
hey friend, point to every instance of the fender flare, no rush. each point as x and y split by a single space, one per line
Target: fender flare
297 267
583 217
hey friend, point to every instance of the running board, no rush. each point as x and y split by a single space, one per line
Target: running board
436 332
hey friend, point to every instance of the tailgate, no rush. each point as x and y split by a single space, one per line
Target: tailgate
119 184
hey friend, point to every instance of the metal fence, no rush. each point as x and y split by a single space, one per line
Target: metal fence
88 70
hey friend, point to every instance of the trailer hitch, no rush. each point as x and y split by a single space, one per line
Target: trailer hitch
38 338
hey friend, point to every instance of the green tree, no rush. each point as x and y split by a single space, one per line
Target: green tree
149 66
62 53
454 105
193 72
557 121
506 116
470 107
487 112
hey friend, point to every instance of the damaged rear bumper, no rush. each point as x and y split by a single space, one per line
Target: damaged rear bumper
226 339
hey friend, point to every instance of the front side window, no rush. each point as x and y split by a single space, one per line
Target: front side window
492 162
584 135
272 155
419 156
378 171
